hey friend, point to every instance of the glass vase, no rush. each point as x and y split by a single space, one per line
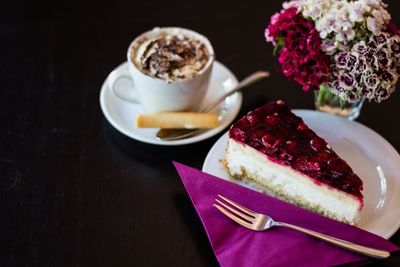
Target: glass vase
328 102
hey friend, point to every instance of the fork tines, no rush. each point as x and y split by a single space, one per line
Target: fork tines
234 211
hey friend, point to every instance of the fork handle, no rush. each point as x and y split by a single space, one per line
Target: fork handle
371 252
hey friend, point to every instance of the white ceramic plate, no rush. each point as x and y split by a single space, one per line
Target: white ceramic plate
121 114
369 154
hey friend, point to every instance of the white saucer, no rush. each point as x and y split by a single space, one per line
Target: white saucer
121 114
370 156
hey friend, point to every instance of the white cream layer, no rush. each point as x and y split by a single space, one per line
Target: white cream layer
243 160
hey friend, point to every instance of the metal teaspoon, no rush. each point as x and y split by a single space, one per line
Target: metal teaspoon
176 134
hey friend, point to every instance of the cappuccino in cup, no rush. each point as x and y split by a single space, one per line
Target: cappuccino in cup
170 57
169 69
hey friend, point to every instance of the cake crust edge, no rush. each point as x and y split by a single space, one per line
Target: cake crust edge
267 187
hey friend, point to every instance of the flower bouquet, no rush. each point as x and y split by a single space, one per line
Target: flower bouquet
346 51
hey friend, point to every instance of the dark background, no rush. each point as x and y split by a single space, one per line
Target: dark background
73 190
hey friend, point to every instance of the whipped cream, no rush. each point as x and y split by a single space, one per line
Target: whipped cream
170 56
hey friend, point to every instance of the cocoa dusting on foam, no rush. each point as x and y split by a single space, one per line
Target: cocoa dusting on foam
172 57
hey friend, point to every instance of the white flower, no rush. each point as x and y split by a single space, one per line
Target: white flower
290 4
346 60
339 20
365 57
345 33
361 47
377 15
314 9
384 14
347 79
380 17
384 90
372 2
338 4
371 81
329 46
394 45
368 71
374 26
344 11
396 78
357 11
326 25
361 65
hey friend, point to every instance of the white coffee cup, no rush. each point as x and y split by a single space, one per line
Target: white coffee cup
158 95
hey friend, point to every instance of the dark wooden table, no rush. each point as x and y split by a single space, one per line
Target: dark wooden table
76 192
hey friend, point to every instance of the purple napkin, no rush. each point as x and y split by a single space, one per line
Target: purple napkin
236 246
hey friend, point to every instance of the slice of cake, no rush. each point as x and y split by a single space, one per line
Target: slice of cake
275 151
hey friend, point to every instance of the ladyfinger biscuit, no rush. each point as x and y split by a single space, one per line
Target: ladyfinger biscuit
176 120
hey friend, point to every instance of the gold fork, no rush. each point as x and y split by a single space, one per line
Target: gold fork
261 222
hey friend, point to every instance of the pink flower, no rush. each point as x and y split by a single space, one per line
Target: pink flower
367 67
301 58
280 22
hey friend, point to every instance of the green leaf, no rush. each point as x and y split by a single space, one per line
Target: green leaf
279 44
342 103
326 97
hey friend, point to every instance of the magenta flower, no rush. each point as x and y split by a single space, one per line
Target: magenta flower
351 48
301 57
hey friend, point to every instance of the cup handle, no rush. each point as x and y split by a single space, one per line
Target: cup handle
117 90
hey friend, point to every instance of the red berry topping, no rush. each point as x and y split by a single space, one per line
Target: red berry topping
284 138
272 120
317 143
252 118
302 126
